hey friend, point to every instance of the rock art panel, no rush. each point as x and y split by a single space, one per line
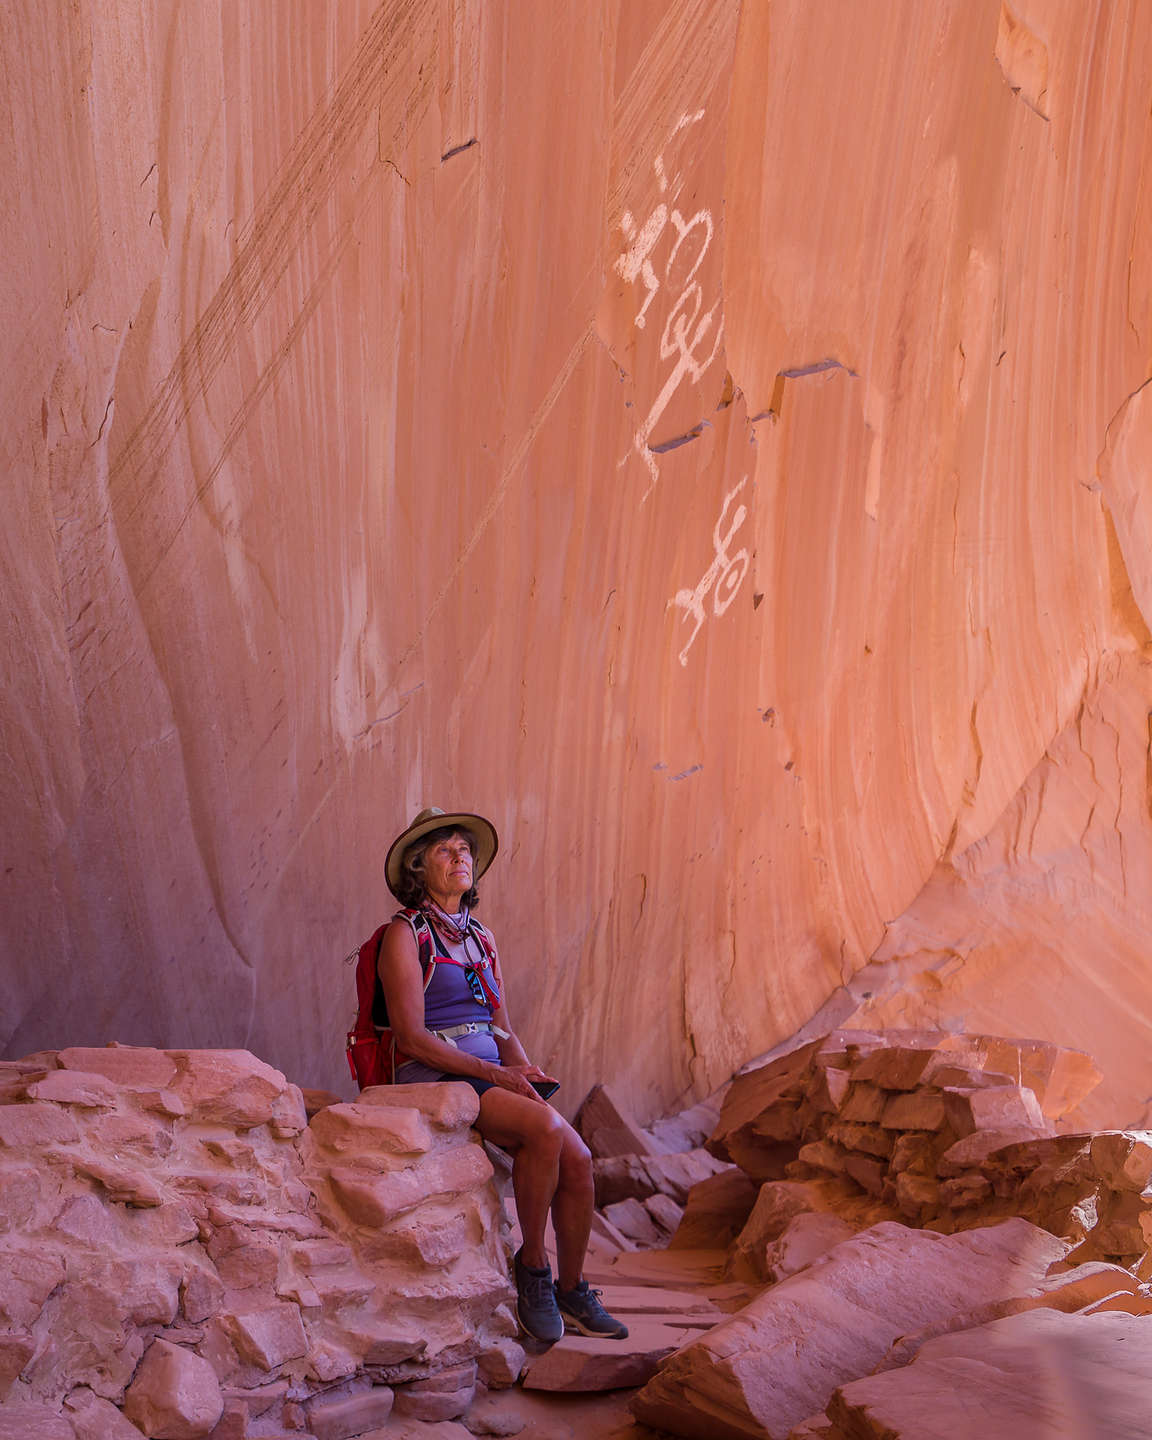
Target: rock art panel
666 430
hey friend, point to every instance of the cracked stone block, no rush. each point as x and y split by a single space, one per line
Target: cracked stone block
29 1420
94 1418
74 1087
607 1127
35 1126
267 1337
131 1066
349 1415
231 1087
175 1394
369 1130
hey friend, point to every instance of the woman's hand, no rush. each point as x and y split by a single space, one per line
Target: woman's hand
517 1078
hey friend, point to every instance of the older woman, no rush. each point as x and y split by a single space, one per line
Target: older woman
453 1023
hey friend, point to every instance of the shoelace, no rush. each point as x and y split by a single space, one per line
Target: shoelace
537 1289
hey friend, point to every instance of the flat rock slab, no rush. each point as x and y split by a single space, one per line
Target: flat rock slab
777 1362
667 1268
1028 1377
647 1299
581 1363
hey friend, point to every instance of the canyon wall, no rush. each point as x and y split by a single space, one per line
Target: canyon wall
708 438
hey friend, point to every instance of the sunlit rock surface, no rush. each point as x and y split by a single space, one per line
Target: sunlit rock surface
707 438
179 1246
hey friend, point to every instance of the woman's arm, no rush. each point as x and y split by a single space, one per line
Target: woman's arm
399 971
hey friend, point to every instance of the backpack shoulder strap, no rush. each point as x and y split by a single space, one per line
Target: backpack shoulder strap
425 942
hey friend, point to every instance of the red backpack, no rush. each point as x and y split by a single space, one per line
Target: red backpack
371 1045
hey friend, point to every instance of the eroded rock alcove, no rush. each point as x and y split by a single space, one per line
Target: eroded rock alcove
710 438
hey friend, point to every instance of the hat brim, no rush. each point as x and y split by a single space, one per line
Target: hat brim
483 831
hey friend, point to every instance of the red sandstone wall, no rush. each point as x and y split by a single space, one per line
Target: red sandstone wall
343 477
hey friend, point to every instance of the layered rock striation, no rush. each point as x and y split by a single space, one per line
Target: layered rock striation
711 438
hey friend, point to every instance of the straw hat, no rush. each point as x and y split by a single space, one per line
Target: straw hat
483 832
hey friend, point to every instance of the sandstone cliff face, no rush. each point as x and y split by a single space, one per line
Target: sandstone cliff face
710 439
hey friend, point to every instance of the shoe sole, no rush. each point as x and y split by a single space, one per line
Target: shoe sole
575 1327
531 1334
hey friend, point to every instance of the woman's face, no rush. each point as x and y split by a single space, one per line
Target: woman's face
448 866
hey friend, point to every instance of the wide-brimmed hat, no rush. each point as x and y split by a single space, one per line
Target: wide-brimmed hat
487 842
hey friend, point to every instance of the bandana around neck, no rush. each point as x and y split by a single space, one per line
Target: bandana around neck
454 928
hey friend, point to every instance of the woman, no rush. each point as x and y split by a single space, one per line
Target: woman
458 1028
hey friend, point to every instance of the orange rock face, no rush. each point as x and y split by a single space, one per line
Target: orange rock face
709 439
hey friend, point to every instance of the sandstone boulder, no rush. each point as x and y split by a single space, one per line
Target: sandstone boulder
608 1128
778 1361
1027 1377
175 1394
716 1211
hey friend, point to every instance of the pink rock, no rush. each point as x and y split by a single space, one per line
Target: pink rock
995 1108
373 1200
918 1110
448 1107
777 1205
716 1211
368 1130
1123 1159
16 1349
348 1415
289 1115
609 1129
864 1104
19 1192
779 1359
259 1400
94 1418
1027 1377
869 1139
665 1213
500 1363
29 1420
35 1126
201 1292
124 1136
88 1220
27 1278
971 1152
73 1087
130 1066
267 1337
804 1240
175 1394
581 1363
129 1187
231 1087
244 1257
633 1220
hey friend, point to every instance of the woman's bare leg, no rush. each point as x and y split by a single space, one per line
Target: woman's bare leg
572 1209
534 1135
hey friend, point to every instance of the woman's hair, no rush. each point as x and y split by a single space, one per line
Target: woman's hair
410 889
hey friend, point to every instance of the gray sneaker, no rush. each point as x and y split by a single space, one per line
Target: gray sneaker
536 1303
582 1311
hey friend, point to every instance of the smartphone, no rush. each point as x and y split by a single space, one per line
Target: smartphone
545 1088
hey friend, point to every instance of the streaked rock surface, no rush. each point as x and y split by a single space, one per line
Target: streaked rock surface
708 437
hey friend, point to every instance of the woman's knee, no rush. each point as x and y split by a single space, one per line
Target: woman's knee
575 1159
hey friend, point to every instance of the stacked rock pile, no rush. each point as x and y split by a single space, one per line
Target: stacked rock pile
921 1229
182 1254
939 1131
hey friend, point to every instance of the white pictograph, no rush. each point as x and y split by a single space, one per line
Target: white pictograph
723 577
687 325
